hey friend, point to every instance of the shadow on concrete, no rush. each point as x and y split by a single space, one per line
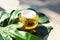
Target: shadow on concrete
1 9
55 8
42 0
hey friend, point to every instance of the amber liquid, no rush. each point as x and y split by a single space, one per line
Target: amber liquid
29 23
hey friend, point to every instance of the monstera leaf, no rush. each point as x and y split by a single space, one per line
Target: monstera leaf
3 16
4 36
14 15
11 32
42 18
9 27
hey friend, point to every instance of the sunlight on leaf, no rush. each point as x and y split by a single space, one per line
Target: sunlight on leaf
12 30
32 37
42 18
22 33
49 28
4 36
3 16
14 15
1 38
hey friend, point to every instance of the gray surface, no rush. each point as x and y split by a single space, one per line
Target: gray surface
53 5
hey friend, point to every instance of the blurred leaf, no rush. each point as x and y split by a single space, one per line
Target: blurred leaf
1 38
42 18
14 15
32 37
43 30
17 34
4 36
3 16
49 28
10 30
25 36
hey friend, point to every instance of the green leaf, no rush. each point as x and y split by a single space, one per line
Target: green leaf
49 28
32 37
19 35
25 36
42 18
3 16
14 16
4 36
1 38
11 29
43 30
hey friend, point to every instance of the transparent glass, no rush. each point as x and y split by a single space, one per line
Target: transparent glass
29 23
